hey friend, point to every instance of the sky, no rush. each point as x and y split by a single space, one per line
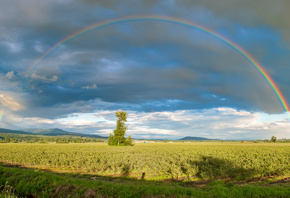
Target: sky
172 80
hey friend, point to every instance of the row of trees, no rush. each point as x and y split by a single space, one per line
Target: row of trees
118 137
34 139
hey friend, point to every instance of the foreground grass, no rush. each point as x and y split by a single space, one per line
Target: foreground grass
37 183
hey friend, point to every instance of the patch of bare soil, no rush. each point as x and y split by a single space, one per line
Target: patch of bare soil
262 179
90 194
202 183
282 181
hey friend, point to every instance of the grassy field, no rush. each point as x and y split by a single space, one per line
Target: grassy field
180 169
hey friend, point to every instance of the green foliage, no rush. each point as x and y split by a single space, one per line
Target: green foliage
157 161
7 190
273 139
32 183
110 139
16 138
183 161
118 138
7 139
128 141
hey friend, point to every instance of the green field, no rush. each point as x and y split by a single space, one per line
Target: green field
178 169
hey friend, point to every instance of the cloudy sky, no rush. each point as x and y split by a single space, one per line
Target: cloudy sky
173 80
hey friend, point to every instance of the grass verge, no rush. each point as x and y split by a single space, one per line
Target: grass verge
38 183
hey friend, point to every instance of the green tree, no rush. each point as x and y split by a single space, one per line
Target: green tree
7 139
121 128
273 139
118 137
128 141
110 139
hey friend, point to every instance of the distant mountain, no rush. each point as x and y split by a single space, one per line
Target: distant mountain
59 132
14 131
32 130
195 138
49 132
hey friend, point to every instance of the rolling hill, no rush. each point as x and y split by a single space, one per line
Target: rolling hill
195 138
48 132
59 132
14 131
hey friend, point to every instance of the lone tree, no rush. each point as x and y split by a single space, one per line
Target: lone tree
118 137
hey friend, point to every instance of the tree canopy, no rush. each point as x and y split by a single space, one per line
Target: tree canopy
118 136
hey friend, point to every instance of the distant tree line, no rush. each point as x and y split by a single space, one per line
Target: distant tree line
282 140
13 138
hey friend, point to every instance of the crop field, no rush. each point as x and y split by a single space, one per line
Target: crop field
177 162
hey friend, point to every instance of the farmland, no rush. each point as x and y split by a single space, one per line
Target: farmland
188 163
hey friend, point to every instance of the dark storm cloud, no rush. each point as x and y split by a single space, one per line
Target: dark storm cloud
149 66
157 71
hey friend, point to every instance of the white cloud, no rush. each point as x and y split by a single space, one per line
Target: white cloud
9 101
14 121
13 46
10 75
220 123
223 123
38 47
38 121
44 78
93 86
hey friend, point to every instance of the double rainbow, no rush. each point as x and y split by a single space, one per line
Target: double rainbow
177 21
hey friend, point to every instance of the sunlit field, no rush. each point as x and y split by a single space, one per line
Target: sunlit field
176 169
189 161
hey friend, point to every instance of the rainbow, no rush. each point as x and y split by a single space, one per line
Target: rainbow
177 21
2 114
